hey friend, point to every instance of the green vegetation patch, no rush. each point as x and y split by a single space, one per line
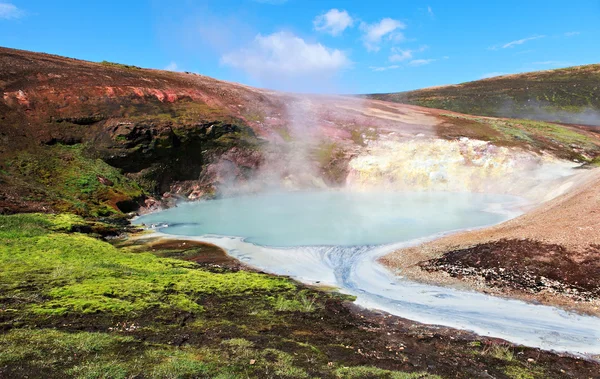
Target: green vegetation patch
76 273
563 141
109 355
75 306
47 346
120 65
365 372
517 371
35 224
76 183
180 113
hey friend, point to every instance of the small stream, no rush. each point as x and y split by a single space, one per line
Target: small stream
335 238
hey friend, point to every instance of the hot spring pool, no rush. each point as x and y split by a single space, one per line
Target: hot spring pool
331 218
335 238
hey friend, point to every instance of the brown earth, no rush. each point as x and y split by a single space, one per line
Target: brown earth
347 333
335 331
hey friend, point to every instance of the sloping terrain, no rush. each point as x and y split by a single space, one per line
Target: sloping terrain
102 138
570 95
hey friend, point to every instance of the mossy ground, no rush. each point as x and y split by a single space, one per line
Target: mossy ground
69 179
559 140
49 276
72 305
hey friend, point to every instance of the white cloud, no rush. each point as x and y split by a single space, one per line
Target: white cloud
430 12
9 11
420 62
492 74
172 66
400 55
374 33
283 54
333 22
384 68
572 34
512 44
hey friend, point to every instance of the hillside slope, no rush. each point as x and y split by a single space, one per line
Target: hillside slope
101 139
570 95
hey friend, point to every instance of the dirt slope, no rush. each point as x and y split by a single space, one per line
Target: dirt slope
570 95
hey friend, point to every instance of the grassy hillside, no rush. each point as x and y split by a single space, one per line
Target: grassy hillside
570 95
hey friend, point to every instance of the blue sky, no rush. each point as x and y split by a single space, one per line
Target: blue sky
315 46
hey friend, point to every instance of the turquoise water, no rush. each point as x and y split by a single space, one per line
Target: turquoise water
329 238
329 218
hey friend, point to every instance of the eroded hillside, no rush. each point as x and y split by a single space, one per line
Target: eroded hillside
102 138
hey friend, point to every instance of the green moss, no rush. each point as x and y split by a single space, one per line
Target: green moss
79 274
48 345
179 364
595 162
302 302
104 355
501 352
66 176
520 372
99 370
559 133
35 224
283 364
120 65
561 140
360 372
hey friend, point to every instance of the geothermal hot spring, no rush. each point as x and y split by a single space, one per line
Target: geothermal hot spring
334 238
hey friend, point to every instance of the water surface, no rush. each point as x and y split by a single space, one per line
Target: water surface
335 238
331 218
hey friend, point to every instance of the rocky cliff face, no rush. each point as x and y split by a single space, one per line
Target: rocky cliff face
103 138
